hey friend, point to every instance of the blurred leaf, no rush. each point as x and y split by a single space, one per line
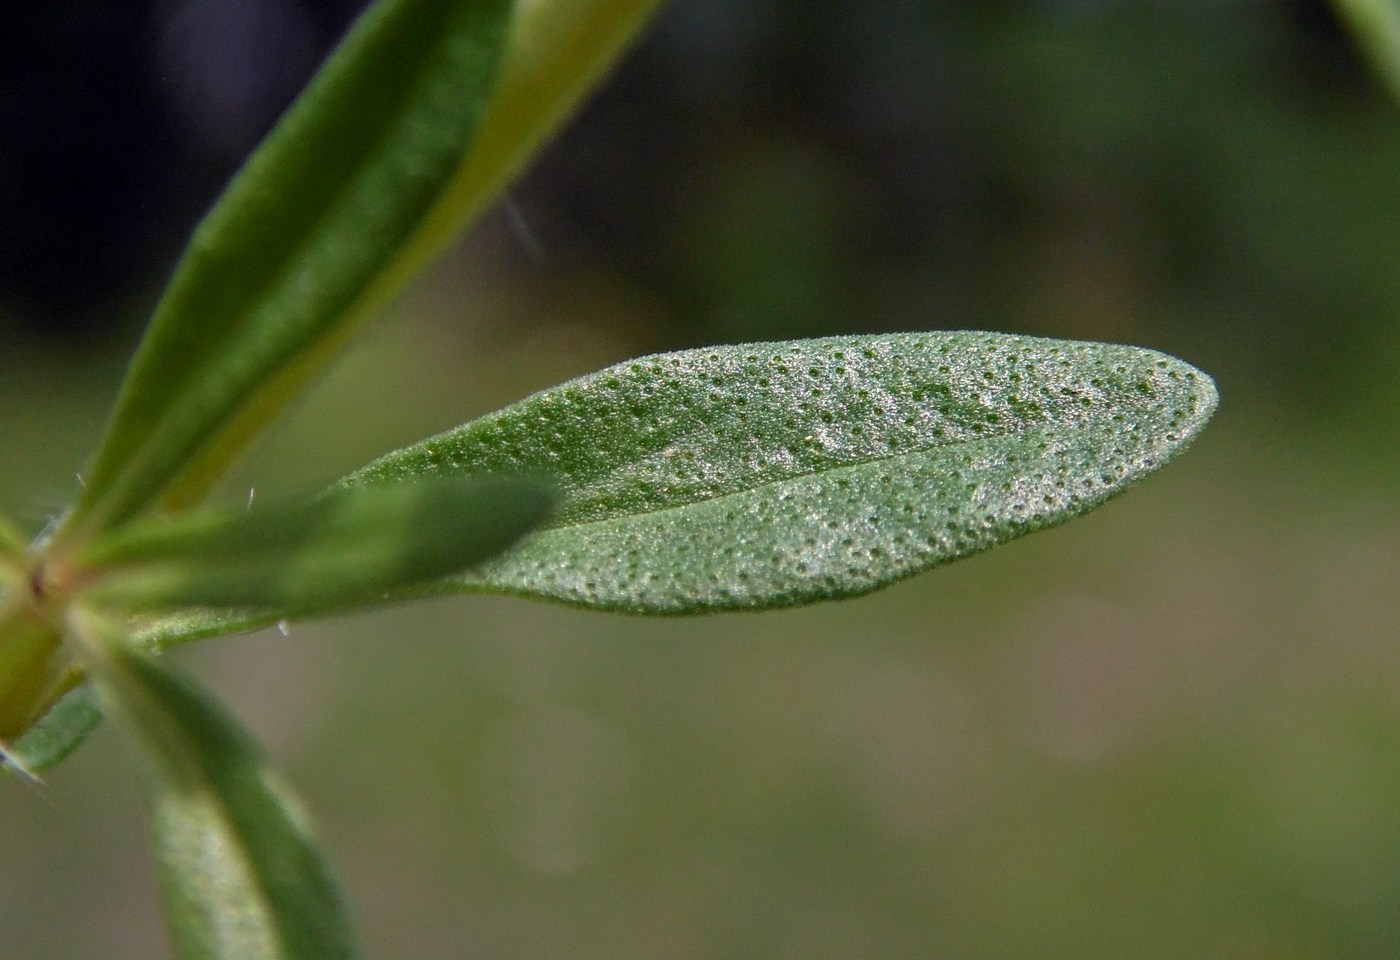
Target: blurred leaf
12 543
242 876
773 474
181 626
343 548
557 50
33 670
59 732
1376 25
300 249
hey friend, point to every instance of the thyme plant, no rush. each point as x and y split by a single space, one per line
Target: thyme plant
724 478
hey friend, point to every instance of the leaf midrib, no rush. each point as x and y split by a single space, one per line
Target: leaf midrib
221 359
1017 436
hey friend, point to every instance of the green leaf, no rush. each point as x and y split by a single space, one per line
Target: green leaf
773 474
1376 25
34 669
302 247
59 732
558 49
181 626
242 876
12 545
344 548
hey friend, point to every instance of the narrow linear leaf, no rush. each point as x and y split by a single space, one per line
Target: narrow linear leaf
772 474
347 547
242 876
59 732
300 249
556 52
167 629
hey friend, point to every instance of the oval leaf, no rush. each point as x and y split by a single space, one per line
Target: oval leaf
345 548
242 876
773 474
300 248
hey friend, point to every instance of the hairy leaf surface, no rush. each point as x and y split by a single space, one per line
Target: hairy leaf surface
771 474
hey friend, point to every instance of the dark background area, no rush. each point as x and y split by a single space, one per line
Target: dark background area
773 169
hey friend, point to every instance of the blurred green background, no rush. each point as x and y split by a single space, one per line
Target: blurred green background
1168 730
